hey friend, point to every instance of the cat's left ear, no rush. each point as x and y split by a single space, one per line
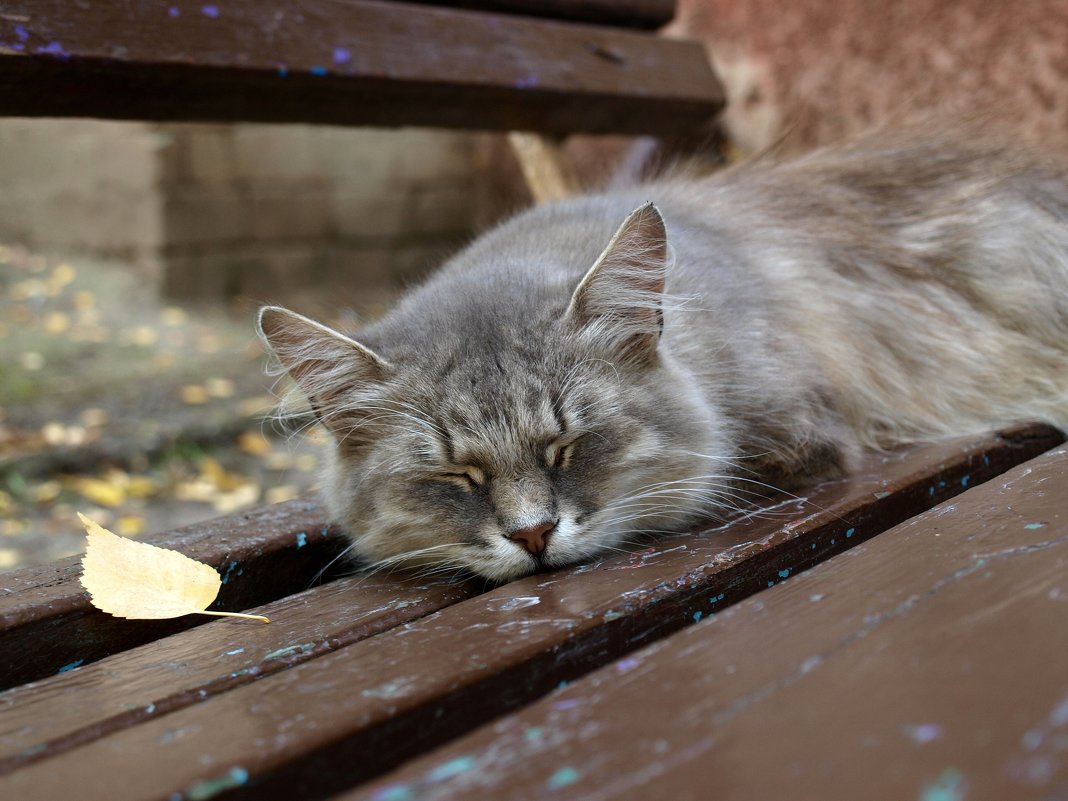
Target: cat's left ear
619 302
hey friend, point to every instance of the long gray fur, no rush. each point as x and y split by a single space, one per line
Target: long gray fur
888 291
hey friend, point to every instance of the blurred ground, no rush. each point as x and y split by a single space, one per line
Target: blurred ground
140 415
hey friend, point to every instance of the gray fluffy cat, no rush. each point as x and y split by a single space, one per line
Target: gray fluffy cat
568 382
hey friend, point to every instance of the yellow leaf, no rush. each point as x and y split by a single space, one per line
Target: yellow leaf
131 525
253 443
140 581
98 491
194 394
219 387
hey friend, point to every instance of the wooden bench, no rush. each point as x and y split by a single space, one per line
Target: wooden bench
896 635
900 634
488 65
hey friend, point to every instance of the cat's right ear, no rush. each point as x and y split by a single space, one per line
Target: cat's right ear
327 365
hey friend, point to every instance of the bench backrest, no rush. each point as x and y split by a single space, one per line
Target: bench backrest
487 65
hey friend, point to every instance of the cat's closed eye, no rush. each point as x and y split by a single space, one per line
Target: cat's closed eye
558 454
469 478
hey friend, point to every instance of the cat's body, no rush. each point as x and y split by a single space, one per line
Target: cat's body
511 414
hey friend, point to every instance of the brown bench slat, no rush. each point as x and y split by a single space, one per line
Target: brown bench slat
930 663
42 719
357 62
47 622
648 14
351 714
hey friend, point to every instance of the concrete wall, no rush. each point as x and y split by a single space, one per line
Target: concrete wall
219 212
82 186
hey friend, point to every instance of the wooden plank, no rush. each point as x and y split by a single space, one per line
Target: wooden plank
649 14
47 623
42 719
345 62
349 715
929 663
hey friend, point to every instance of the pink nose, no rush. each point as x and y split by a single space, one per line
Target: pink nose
533 538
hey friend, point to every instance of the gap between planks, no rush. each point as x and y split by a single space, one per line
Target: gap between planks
446 673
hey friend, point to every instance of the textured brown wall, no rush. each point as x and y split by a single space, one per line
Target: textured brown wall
816 70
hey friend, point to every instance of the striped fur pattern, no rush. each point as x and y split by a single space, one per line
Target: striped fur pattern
757 328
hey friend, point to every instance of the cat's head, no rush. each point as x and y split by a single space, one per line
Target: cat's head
499 432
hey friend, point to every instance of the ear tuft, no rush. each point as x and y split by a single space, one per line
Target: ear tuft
326 365
619 302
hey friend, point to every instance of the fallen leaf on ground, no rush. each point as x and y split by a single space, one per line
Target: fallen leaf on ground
139 581
253 443
105 493
286 492
194 394
130 525
219 387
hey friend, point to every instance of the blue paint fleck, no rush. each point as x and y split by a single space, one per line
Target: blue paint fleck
235 652
697 616
150 709
454 767
527 82
923 733
302 539
320 71
623 665
395 792
1033 526
784 573
832 541
813 546
850 532
230 569
342 56
986 460
533 734
771 583
563 777
22 33
562 685
283 71
201 791
53 49
174 12
930 491
716 598
948 787
71 666
941 484
964 480
210 11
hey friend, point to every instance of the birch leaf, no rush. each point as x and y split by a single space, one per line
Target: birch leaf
141 581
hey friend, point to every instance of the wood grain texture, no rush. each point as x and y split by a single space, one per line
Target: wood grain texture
930 663
351 714
345 62
47 622
41 719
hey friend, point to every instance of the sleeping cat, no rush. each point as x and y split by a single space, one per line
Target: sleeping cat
618 364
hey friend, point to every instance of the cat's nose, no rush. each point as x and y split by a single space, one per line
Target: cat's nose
533 538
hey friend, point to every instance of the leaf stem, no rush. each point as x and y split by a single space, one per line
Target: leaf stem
236 614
